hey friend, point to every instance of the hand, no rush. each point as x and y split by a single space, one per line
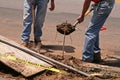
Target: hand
80 19
52 6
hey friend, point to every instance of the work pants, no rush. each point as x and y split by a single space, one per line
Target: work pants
100 14
41 8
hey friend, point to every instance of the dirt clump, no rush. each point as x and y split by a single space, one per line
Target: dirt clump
65 28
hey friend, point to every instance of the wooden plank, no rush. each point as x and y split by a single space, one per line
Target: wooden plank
24 69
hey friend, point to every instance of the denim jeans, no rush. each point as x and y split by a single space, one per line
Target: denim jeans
41 9
100 14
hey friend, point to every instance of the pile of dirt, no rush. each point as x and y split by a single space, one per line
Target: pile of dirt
65 28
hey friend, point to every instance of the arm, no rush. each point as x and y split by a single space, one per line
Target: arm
52 5
85 8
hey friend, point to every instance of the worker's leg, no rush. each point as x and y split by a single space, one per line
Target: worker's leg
27 20
40 18
91 44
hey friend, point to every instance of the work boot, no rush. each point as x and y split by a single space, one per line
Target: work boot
89 61
24 44
97 57
38 46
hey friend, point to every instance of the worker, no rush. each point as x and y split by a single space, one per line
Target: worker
102 9
40 9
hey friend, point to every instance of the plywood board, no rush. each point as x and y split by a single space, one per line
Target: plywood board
25 69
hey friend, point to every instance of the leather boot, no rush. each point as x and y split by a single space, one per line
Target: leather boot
24 44
97 57
38 46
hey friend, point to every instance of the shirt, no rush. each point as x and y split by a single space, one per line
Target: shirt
96 1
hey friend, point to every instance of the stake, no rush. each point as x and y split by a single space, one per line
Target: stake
63 48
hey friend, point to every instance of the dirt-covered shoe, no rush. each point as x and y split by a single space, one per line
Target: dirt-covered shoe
97 58
24 44
89 61
38 46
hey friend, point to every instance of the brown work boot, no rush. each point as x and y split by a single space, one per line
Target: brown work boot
89 61
97 57
24 44
38 46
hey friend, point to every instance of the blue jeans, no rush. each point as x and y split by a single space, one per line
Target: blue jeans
100 14
41 9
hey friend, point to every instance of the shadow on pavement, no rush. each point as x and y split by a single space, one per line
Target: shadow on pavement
112 61
67 49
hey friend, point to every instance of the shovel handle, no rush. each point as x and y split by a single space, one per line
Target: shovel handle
76 22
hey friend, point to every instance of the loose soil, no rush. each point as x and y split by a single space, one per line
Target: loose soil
10 74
